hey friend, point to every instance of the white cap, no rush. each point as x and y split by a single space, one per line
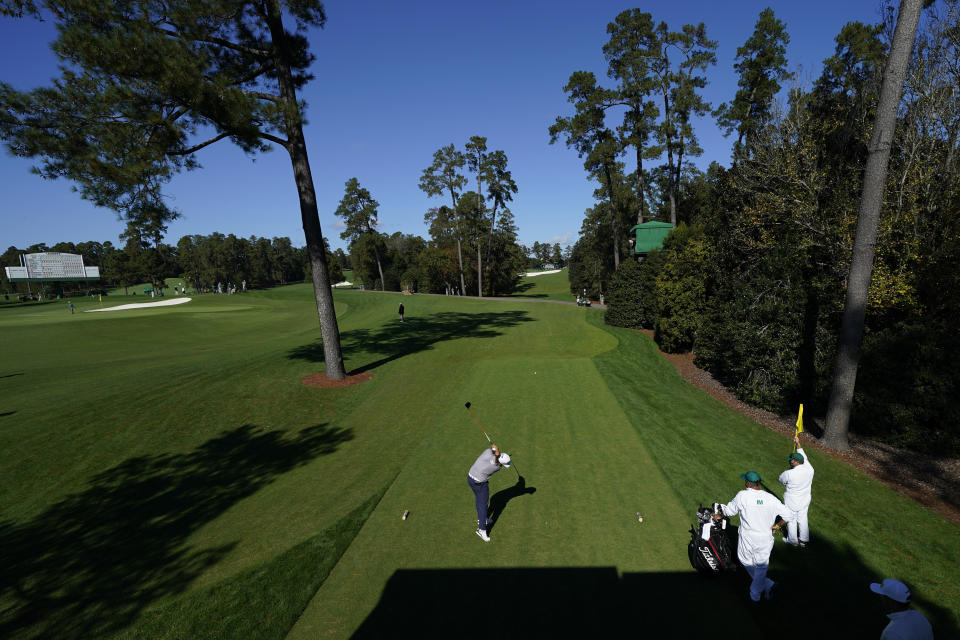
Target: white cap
893 589
505 459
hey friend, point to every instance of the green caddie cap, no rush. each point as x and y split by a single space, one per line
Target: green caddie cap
751 476
795 456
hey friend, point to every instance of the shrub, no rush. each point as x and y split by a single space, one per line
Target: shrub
681 289
631 299
907 384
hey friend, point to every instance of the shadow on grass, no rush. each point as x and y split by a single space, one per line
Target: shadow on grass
499 500
88 565
12 375
397 339
600 602
521 291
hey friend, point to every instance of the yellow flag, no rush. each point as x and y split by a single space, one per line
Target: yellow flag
799 422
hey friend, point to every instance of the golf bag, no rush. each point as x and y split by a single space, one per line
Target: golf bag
709 549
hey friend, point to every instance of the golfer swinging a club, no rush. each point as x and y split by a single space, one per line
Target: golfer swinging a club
486 464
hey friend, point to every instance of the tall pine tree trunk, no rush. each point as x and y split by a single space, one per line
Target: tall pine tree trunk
309 215
479 218
865 240
640 186
376 254
463 286
667 125
479 271
614 222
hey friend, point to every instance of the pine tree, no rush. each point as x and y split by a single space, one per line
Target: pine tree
142 80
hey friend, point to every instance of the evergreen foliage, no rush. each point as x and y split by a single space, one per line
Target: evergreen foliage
145 85
680 289
756 285
631 298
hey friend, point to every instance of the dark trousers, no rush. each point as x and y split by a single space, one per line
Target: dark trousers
481 492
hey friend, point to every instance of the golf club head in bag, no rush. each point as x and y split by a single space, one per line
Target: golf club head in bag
709 550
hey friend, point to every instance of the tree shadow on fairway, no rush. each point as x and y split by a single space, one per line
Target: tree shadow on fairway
600 602
499 500
521 291
89 564
397 339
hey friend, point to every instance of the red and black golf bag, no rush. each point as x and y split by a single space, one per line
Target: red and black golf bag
709 549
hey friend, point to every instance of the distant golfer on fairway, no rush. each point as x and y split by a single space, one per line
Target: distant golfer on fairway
758 511
797 480
486 464
400 311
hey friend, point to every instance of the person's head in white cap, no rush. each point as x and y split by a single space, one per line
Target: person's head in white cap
504 460
904 621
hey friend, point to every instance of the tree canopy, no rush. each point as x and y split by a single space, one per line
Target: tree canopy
147 84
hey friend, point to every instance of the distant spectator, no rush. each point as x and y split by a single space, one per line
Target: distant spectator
400 311
70 305
905 623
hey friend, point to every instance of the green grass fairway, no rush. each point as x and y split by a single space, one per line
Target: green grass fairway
551 286
166 475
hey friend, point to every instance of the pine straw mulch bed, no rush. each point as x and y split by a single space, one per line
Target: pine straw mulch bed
933 482
322 381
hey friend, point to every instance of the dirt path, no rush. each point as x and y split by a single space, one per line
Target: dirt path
933 482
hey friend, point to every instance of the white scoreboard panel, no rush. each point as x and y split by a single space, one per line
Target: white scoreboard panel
54 265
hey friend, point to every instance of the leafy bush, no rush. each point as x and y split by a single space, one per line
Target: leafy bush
752 331
681 289
631 299
907 385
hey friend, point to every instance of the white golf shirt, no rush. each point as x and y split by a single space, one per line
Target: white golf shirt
758 510
797 482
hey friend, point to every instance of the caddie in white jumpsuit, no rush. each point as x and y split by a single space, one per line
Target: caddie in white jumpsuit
758 511
797 481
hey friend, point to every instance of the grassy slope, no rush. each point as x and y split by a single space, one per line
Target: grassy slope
862 530
153 453
552 286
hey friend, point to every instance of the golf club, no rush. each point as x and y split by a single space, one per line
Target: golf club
467 405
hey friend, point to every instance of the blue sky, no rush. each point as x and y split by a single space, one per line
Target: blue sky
394 81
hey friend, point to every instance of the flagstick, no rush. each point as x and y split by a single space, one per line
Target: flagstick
799 430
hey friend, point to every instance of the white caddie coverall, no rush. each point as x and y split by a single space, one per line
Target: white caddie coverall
797 482
758 510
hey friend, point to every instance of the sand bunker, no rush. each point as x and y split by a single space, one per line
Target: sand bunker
541 273
143 305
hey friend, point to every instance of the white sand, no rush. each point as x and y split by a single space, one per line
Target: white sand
344 284
541 273
144 305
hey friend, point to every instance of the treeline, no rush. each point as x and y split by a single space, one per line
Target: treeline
753 277
203 261
473 246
